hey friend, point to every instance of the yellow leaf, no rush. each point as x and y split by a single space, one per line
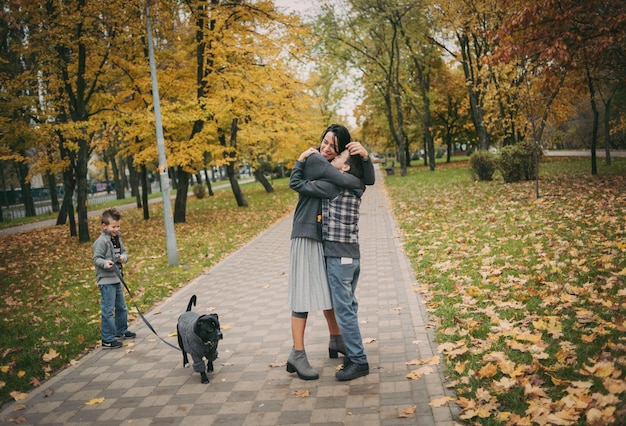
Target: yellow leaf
52 354
301 393
95 401
5 368
407 412
21 373
488 370
18 396
440 402
417 374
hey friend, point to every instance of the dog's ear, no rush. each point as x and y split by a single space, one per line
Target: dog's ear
209 320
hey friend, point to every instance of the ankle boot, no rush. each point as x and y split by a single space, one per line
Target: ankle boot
336 346
298 363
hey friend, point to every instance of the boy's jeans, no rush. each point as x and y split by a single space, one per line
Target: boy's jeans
113 311
343 275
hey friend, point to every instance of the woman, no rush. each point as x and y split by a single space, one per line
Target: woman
308 287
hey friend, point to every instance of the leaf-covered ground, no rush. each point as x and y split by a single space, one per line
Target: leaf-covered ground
527 295
49 304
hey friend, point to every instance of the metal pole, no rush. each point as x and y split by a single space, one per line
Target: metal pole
170 233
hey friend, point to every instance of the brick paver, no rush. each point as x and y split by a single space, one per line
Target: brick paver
144 383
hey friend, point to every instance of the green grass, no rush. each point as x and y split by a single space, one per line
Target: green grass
531 288
49 297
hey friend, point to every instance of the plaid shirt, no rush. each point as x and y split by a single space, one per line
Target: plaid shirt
340 218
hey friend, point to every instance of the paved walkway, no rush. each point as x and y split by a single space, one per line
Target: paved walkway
144 383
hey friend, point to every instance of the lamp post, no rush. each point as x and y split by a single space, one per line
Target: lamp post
170 233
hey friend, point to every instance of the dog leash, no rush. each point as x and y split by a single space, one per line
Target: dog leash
145 320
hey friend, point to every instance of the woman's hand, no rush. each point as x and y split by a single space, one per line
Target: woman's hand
306 154
355 148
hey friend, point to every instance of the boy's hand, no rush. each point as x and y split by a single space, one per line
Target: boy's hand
306 154
109 264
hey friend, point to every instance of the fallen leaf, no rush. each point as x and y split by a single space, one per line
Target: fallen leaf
440 402
18 396
95 401
407 412
301 393
52 354
419 373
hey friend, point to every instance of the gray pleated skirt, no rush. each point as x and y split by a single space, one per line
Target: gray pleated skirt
307 289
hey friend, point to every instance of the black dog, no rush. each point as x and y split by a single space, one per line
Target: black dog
199 335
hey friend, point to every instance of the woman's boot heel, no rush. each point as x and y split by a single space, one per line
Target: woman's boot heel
336 346
298 363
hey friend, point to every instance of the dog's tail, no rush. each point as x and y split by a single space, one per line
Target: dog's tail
192 302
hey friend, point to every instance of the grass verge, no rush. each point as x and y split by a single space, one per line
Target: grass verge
527 295
49 309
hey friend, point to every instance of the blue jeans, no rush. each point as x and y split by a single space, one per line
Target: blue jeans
113 311
343 276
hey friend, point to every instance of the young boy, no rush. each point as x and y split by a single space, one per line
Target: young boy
108 251
340 228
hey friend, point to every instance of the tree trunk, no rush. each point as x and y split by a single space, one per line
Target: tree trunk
134 182
607 132
117 181
596 115
67 206
52 187
239 196
81 188
180 205
27 195
230 168
260 177
144 192
208 182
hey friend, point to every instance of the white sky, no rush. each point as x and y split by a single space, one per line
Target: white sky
305 7
300 6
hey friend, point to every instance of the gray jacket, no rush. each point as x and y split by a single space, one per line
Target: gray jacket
307 217
102 251
193 344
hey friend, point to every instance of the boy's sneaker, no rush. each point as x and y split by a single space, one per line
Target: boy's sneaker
111 345
128 335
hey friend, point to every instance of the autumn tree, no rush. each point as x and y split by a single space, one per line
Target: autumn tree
561 38
69 46
368 37
450 109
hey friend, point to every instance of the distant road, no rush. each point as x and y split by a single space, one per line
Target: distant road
96 212
581 153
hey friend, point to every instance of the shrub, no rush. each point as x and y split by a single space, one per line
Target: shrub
483 165
199 191
517 162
